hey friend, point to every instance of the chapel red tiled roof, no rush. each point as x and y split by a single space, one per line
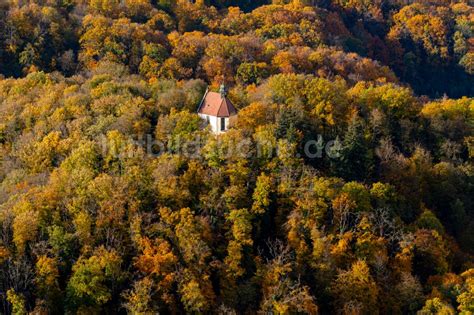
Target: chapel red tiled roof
214 104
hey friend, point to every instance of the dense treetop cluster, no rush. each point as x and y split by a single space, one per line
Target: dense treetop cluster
115 196
428 44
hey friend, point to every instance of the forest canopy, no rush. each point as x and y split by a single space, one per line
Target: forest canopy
344 187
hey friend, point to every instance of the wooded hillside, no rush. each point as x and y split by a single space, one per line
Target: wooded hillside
345 187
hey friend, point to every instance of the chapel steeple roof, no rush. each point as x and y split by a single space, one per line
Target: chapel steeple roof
217 104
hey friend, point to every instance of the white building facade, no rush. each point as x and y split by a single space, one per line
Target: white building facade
217 110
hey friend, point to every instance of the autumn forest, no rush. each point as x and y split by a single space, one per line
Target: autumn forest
344 186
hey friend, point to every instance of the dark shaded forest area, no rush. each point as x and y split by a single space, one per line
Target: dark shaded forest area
105 209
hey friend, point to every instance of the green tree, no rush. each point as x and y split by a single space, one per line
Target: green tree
94 279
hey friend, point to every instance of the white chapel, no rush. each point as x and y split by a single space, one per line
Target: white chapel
217 110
